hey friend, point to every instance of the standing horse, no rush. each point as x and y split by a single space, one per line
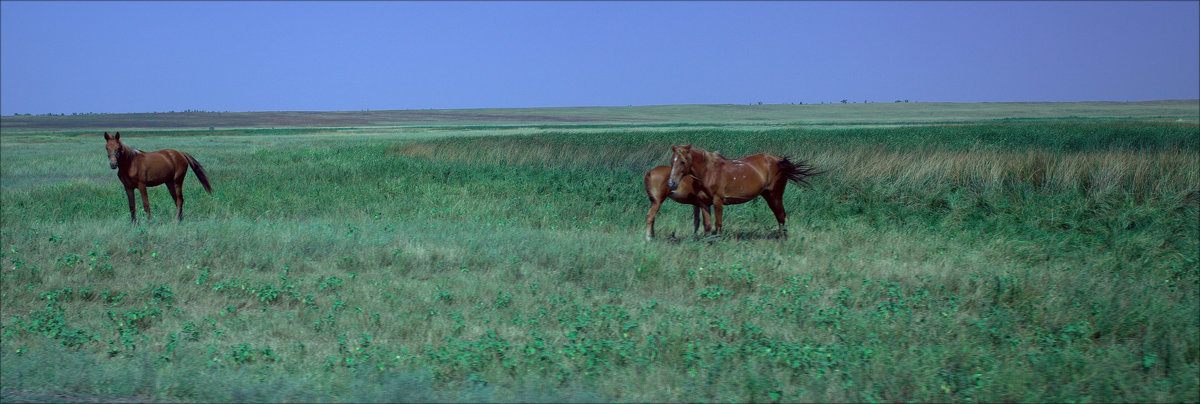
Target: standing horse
138 169
658 191
732 181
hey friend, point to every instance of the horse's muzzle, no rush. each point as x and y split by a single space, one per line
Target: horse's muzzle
112 165
672 184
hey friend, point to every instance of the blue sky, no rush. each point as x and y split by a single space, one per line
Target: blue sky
67 57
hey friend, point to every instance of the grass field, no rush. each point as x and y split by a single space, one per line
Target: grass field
967 259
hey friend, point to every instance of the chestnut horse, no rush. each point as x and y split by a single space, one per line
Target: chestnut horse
724 181
685 193
139 169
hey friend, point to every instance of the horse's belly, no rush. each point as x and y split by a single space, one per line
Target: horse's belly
155 182
734 200
683 198
159 175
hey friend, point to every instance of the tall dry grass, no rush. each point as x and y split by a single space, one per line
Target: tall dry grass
1170 173
1164 172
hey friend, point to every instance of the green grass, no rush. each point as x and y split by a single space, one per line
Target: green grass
1043 260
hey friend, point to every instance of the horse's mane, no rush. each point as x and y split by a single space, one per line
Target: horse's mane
133 151
711 155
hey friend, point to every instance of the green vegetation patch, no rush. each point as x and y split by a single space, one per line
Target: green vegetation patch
998 261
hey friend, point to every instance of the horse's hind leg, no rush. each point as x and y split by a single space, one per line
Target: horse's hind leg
695 219
177 194
775 202
654 206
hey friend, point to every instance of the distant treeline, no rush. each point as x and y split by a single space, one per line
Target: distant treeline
113 113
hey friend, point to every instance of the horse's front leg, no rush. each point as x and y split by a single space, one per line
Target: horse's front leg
132 205
145 201
717 207
704 212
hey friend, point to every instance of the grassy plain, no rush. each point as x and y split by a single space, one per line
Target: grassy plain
1046 260
640 116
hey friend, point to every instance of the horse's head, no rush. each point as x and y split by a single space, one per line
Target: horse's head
681 164
114 147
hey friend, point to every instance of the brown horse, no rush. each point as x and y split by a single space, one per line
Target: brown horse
658 191
139 169
724 181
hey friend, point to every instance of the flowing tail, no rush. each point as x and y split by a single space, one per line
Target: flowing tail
199 170
798 172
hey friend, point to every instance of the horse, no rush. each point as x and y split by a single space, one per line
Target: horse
139 169
658 191
724 181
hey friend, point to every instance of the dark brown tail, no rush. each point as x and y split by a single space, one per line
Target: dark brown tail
199 170
798 172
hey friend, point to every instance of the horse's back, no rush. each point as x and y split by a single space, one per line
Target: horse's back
158 156
744 179
761 160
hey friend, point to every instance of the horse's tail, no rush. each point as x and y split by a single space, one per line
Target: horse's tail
199 170
797 172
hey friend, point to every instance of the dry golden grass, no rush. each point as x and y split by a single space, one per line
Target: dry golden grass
1142 173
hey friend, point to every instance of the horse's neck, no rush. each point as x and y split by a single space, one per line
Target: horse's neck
702 161
126 156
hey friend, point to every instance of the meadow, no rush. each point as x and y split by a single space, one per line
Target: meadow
1054 259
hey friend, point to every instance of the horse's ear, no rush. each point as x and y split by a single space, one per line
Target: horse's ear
118 136
106 136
